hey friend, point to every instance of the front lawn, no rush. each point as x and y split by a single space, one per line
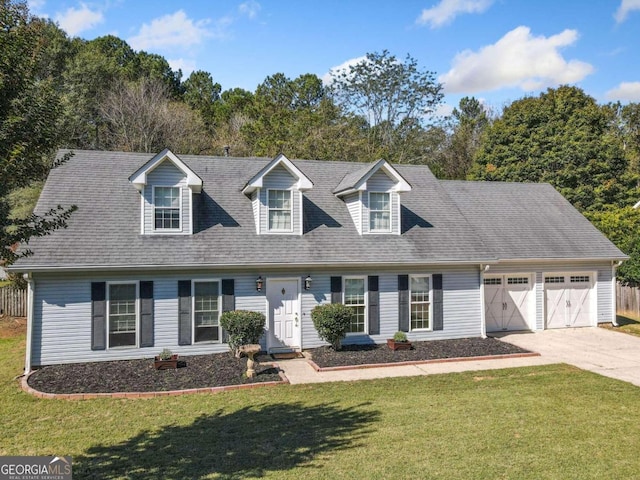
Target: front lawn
552 422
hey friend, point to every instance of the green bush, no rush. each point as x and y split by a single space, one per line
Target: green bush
400 336
244 328
332 322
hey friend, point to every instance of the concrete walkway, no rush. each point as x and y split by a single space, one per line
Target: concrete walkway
608 353
613 354
299 371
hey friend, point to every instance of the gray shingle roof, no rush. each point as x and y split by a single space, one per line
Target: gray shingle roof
528 221
520 221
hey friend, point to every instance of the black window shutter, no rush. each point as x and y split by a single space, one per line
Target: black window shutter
438 317
403 303
98 315
228 302
146 314
336 289
374 305
184 312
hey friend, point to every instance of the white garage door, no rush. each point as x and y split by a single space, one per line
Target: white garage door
508 302
568 300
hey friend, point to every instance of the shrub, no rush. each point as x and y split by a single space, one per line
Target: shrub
400 336
332 322
244 327
165 354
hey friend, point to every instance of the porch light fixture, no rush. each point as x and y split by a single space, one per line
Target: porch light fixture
259 283
307 282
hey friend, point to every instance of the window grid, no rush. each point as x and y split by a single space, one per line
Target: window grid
280 207
580 278
354 297
493 281
122 308
206 311
420 302
518 280
167 208
558 279
379 212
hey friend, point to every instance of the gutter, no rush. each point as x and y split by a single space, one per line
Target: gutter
30 308
230 266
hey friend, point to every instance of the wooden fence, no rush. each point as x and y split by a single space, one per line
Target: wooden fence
628 300
13 302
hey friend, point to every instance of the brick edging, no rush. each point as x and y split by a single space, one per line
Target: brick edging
89 396
317 368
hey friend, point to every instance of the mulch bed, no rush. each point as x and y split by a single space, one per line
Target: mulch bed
436 349
197 371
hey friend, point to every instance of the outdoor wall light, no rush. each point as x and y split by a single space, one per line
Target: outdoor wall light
259 283
307 282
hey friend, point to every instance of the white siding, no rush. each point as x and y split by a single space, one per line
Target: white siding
166 175
280 179
355 209
255 203
380 182
62 315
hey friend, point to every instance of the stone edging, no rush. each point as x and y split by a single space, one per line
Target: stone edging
89 396
317 368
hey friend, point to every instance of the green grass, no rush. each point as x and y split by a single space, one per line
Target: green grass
627 324
552 422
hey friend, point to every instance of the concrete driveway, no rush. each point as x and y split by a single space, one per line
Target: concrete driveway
613 354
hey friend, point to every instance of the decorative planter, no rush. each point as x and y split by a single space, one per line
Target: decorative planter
161 364
394 345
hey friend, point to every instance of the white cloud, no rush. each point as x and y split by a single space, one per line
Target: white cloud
174 30
187 65
444 12
327 78
625 7
76 20
250 9
626 91
36 6
516 60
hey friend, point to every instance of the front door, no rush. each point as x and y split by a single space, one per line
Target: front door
284 314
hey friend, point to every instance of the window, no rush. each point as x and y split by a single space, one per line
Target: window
166 208
420 303
493 281
206 312
580 279
518 280
553 279
354 297
122 314
280 207
379 212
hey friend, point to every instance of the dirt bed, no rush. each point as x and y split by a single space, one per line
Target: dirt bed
197 371
437 349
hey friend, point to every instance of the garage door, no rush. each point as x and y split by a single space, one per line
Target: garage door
568 300
508 302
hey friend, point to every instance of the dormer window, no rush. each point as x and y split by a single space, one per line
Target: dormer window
379 212
280 210
167 207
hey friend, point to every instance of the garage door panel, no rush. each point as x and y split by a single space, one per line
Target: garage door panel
508 303
568 300
493 308
517 307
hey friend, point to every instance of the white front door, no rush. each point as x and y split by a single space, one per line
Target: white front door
284 314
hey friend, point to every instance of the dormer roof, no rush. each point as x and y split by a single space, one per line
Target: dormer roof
357 181
139 178
302 181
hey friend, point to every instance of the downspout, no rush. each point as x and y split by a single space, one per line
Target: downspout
30 305
614 293
483 323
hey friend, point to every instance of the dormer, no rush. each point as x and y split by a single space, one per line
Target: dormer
372 196
166 185
276 195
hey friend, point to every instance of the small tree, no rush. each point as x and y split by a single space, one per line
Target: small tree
244 328
332 322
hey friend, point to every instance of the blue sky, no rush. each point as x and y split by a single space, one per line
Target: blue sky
495 50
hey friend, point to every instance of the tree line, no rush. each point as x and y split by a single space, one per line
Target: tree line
57 91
